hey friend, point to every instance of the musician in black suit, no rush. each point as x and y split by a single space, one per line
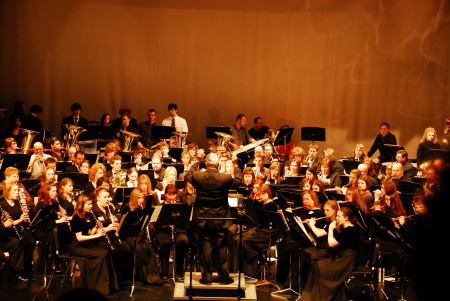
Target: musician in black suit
124 110
79 158
212 202
74 119
32 120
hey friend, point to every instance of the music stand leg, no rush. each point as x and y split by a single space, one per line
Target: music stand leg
133 284
290 290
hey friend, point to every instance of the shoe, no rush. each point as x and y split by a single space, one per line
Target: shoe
205 282
23 278
158 283
164 277
227 281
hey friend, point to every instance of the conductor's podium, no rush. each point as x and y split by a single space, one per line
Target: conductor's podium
214 291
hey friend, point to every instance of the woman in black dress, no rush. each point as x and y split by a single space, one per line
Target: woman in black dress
146 264
66 197
429 141
96 266
327 276
20 217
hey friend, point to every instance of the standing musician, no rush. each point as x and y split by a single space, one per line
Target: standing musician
18 214
255 241
74 119
212 202
240 134
103 212
166 234
385 137
146 263
174 120
146 129
124 111
429 141
95 263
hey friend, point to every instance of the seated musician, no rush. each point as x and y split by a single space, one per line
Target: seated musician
137 158
145 129
359 153
337 167
48 177
124 111
66 197
312 160
305 184
145 185
385 137
95 263
126 126
170 176
220 149
146 264
18 218
365 172
353 197
188 193
229 168
364 184
254 194
240 134
353 178
408 169
274 174
268 152
259 130
164 148
298 154
258 150
433 183
327 275
429 141
163 237
158 170
56 147
70 157
11 175
293 169
223 158
36 165
310 208
398 175
212 146
79 158
259 170
311 174
327 175
247 178
387 201
132 176
256 240
85 165
103 212
117 175
317 186
187 161
97 171
110 151
173 142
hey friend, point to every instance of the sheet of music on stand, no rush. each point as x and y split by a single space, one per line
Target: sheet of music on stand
155 214
309 235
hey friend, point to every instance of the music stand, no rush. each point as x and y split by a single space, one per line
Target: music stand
313 134
284 136
175 152
407 186
91 157
99 132
62 165
131 224
19 161
162 132
211 131
126 156
349 165
295 180
179 167
391 149
122 192
288 197
79 179
43 214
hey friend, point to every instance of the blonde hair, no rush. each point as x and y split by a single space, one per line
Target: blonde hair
425 133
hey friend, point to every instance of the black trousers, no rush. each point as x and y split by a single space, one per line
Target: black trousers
213 253
15 250
163 239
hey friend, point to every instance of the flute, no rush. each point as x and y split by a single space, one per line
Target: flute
100 226
307 220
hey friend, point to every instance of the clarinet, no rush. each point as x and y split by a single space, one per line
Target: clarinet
100 226
6 216
63 211
112 218
147 231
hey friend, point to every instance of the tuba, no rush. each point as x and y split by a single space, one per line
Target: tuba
71 137
27 140
128 140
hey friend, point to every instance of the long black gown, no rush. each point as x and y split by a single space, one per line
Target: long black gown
96 265
327 275
147 269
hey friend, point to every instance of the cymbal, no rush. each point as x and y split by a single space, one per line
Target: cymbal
223 135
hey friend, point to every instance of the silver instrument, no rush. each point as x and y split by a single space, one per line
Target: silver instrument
250 146
100 226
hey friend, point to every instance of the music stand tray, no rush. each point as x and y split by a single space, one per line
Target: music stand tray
19 161
313 134
282 134
174 215
162 132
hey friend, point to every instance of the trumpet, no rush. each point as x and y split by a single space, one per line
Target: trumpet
6 216
100 226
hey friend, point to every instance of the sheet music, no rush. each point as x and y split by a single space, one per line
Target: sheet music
155 214
300 224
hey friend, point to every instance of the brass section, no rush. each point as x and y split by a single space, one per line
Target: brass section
73 132
28 136
128 140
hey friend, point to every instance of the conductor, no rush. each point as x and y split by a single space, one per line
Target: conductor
212 202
